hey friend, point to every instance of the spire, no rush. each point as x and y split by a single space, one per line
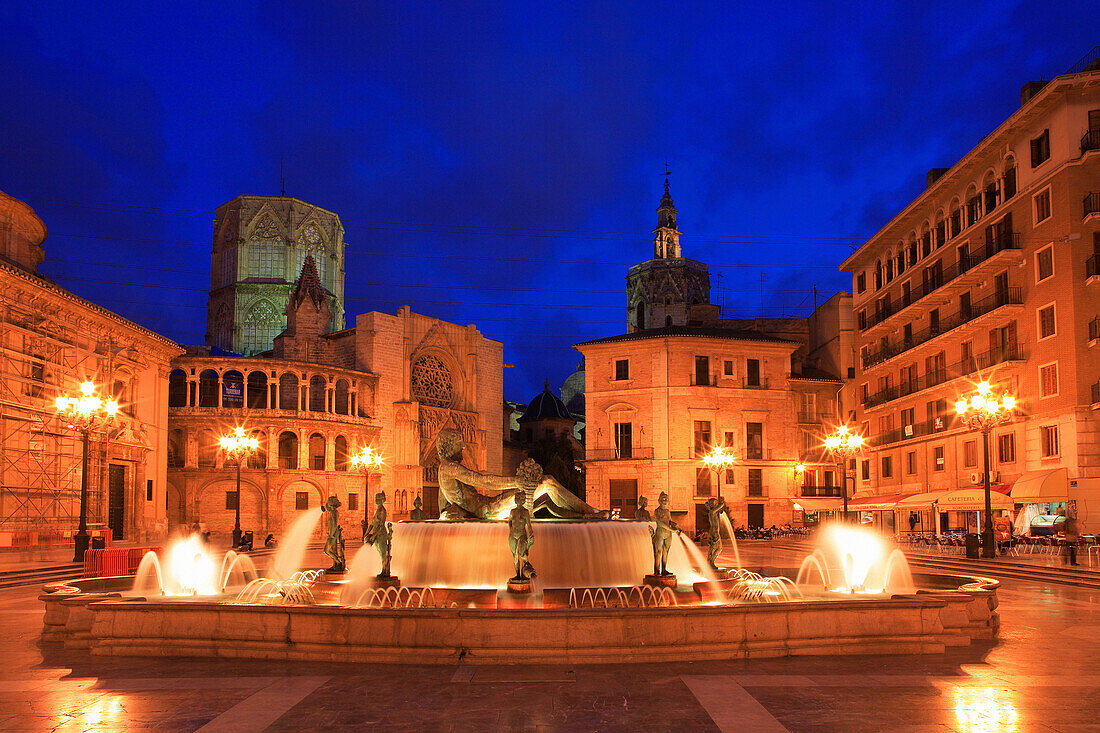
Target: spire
308 284
666 238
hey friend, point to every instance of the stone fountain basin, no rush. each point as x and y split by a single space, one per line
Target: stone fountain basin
949 611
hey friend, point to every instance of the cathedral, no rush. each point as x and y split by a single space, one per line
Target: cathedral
280 363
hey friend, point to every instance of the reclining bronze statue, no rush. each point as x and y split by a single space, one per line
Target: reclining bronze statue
460 498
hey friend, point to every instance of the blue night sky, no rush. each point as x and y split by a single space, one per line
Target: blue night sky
494 164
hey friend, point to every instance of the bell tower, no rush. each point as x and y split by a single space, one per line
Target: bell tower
669 289
666 238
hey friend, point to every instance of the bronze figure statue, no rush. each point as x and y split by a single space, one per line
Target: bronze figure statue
716 507
334 541
662 536
417 514
379 533
521 537
641 513
459 497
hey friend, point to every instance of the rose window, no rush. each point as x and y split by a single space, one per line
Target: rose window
431 382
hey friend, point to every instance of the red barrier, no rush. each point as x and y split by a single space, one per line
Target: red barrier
114 561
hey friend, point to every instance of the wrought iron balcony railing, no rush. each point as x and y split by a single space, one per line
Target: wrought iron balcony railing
999 355
1008 296
616 454
936 280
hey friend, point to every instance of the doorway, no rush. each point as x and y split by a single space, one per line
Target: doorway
116 500
756 515
624 496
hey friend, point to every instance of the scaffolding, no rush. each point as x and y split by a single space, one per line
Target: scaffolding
39 458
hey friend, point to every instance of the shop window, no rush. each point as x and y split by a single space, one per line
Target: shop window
1048 438
622 369
1006 448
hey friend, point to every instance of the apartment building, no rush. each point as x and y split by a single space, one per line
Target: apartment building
989 274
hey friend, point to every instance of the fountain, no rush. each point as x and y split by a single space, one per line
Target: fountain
448 594
189 569
852 559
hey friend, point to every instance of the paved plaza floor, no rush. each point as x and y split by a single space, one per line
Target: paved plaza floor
1041 675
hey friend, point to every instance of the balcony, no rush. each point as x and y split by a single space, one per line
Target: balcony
1009 296
631 453
1094 332
939 424
758 384
1012 352
820 491
1092 204
999 243
1090 141
1095 404
1092 268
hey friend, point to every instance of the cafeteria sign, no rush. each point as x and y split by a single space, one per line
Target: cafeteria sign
233 392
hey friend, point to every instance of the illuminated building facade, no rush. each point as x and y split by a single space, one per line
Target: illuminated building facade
991 273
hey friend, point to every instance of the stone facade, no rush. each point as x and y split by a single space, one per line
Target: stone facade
391 382
260 246
991 273
52 341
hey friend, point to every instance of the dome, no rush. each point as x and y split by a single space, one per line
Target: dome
21 233
572 392
545 406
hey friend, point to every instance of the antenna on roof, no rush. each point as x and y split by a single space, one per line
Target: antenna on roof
282 179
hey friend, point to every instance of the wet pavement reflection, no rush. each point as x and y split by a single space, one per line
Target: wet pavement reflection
1040 675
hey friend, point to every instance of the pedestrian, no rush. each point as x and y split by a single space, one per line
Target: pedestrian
1069 529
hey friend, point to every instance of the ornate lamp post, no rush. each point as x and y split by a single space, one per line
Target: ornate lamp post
84 414
984 412
843 445
720 458
238 447
366 460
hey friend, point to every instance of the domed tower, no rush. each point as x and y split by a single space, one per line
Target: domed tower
21 234
260 247
662 291
546 416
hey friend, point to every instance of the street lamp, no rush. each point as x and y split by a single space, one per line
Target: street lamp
984 412
238 447
720 458
366 460
843 445
84 414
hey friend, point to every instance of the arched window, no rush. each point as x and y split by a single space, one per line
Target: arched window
177 388
177 448
878 274
341 453
233 389
317 452
288 450
208 388
208 449
288 392
257 391
258 457
341 397
265 256
260 327
316 393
